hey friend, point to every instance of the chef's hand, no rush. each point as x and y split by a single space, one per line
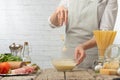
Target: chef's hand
60 16
79 54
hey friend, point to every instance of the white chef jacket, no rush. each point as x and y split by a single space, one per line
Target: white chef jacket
106 16
107 13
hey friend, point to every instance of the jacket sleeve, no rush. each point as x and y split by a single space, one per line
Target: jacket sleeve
109 16
62 3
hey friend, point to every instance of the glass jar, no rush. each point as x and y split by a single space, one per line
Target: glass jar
112 52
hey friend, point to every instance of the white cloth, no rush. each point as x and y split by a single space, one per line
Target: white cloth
107 12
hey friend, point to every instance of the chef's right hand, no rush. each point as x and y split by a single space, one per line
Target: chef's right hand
60 16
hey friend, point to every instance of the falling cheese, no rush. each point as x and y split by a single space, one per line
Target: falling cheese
62 37
111 65
108 71
64 49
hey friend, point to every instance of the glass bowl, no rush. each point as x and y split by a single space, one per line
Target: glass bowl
64 64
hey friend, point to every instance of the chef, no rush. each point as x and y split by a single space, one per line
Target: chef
81 18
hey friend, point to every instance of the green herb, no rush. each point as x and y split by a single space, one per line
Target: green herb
9 57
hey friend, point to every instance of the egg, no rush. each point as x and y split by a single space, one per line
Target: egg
98 67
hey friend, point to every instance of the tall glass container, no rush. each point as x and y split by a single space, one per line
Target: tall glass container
26 56
104 38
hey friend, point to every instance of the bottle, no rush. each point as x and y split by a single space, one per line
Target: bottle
26 56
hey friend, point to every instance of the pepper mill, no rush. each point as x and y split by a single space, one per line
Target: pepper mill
16 49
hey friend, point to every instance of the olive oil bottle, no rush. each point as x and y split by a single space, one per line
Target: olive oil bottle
26 56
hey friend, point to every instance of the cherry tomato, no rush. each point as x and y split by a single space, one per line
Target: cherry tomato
4 67
1 69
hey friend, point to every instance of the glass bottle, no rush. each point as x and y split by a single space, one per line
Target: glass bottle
26 56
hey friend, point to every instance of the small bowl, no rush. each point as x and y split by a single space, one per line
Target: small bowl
64 64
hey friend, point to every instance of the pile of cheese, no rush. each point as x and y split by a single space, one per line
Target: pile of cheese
110 68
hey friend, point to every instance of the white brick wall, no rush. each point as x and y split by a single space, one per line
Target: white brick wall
27 20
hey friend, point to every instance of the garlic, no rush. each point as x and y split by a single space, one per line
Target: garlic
98 67
118 71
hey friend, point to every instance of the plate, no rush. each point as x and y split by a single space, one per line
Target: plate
4 75
14 74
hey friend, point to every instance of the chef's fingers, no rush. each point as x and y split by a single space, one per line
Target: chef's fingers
61 17
58 15
81 57
66 16
76 55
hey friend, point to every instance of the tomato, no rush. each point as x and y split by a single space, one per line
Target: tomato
4 67
0 69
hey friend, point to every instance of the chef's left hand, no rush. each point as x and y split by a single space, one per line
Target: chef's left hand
79 54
